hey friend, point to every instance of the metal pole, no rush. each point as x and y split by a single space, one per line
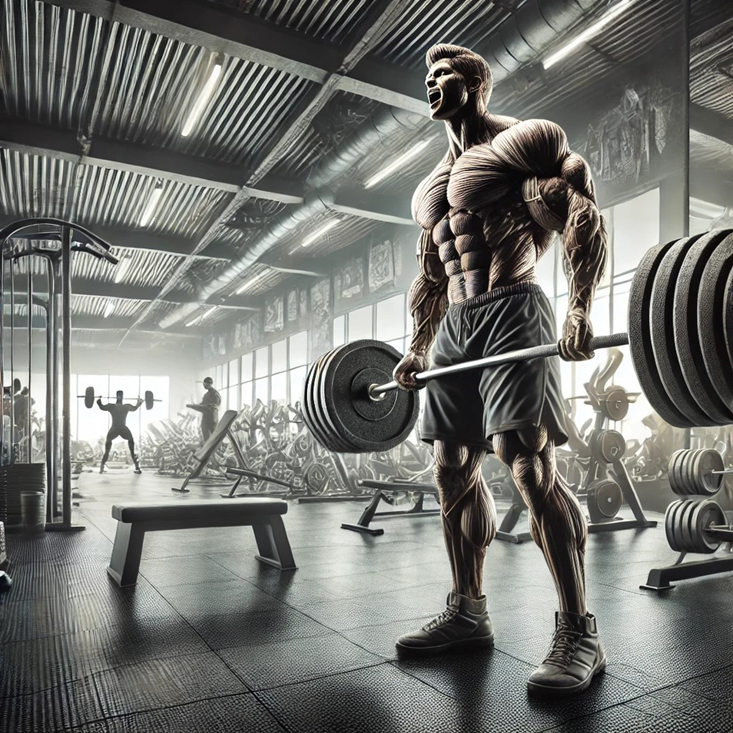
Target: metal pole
534 352
12 362
29 424
2 351
66 346
51 503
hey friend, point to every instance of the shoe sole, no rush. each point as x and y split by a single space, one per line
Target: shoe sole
549 691
481 642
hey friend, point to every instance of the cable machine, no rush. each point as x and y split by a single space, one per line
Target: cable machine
52 241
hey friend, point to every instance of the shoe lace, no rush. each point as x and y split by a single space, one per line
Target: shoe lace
563 647
448 615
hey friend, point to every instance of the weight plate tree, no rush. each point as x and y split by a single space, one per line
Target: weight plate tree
350 404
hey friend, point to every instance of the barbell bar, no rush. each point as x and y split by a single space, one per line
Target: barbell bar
353 404
544 351
90 397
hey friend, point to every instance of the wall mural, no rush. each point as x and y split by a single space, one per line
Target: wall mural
292 306
321 331
303 301
348 282
274 314
384 265
628 143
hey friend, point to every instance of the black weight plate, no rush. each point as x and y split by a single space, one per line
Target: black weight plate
309 405
89 397
714 300
149 400
686 472
709 483
684 524
707 512
611 446
661 314
345 383
324 401
670 517
608 498
728 316
687 296
640 337
672 473
336 441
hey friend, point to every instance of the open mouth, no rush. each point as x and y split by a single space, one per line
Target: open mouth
434 96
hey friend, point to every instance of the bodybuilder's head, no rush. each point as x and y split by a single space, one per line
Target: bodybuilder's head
459 81
208 383
120 394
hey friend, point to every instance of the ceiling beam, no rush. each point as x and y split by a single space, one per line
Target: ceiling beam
710 123
244 36
95 323
371 205
34 139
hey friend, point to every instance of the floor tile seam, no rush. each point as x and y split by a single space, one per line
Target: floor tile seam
326 632
395 664
90 675
272 713
323 676
638 592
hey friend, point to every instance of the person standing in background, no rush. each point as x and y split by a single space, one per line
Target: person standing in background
209 408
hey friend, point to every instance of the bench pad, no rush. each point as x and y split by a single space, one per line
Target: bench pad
198 510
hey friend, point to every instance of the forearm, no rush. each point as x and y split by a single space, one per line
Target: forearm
427 303
586 251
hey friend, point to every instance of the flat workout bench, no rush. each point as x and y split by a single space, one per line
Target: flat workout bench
264 515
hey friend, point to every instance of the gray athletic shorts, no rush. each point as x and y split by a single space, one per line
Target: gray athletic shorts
470 407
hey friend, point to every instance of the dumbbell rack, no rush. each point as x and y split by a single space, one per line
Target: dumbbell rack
708 538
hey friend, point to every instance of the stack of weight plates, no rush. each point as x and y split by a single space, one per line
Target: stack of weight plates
14 479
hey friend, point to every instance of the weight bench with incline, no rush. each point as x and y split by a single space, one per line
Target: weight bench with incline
264 515
222 430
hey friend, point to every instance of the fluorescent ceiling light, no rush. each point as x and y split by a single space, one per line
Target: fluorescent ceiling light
200 319
121 269
249 282
151 205
396 163
588 33
108 309
201 101
319 232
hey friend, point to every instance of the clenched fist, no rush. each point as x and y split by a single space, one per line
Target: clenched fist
576 335
404 373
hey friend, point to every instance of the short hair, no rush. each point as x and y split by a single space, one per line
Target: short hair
120 393
466 62
209 380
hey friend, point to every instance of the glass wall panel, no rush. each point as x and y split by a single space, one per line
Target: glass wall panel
262 364
339 331
247 372
234 372
299 349
279 387
279 356
297 377
391 318
360 324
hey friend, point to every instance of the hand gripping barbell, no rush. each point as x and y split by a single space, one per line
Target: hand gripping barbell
680 333
90 397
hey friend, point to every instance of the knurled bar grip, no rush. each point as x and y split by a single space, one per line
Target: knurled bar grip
534 352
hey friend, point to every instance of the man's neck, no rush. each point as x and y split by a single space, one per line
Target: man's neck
466 131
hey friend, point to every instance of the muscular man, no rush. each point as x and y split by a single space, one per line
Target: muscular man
118 412
209 408
488 212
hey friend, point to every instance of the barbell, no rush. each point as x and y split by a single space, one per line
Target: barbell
694 472
90 398
680 333
696 526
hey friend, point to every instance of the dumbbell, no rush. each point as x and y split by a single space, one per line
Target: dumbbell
90 398
696 472
696 526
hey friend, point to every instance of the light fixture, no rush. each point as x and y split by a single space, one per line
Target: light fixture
108 309
152 204
251 281
201 101
200 319
396 163
121 269
319 232
588 33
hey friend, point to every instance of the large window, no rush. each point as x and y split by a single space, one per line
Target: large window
92 425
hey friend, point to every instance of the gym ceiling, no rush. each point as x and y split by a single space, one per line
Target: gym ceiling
301 103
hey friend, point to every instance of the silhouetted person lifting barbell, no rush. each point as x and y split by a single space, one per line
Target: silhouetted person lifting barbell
118 412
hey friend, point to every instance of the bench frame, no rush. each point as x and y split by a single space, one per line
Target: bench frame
270 533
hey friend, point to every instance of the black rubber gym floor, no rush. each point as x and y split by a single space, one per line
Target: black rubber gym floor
211 640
